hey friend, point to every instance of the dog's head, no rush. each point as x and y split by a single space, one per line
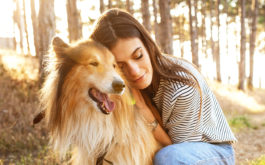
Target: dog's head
88 72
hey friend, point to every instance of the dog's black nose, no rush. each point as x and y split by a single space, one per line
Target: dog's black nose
118 86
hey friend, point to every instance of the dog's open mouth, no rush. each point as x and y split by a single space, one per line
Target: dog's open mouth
103 102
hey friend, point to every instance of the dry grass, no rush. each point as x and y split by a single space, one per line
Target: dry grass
20 143
245 112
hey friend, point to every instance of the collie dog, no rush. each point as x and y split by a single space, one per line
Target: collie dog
89 109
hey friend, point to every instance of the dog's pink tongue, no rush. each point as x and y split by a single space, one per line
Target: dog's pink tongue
102 97
108 103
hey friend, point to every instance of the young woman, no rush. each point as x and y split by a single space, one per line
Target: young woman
170 93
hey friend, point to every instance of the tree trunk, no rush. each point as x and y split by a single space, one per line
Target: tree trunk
211 25
19 24
242 48
180 22
35 27
146 15
155 22
166 37
226 26
14 29
26 26
252 42
74 21
195 59
218 63
110 4
129 6
102 7
46 31
193 33
14 39
204 43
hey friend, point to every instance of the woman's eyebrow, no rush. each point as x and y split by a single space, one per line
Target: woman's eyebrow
136 50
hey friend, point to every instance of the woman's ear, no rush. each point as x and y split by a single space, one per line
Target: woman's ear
59 46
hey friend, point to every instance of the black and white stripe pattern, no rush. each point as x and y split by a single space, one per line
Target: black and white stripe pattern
179 106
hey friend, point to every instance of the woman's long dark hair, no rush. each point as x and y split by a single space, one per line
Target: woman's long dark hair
117 24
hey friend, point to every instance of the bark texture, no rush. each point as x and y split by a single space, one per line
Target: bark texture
146 15
166 35
242 72
74 21
46 31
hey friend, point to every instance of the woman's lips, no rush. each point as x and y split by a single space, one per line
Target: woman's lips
139 79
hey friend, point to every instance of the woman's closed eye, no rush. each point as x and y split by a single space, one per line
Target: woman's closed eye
139 56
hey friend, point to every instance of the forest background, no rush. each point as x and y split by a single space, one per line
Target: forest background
223 38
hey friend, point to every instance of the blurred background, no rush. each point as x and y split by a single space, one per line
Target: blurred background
225 39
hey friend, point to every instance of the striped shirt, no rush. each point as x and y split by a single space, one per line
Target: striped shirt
179 106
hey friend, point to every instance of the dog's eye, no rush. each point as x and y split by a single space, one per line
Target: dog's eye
94 63
114 66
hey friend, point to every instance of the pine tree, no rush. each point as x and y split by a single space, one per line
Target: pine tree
146 14
252 42
166 35
46 31
74 21
35 27
193 33
242 72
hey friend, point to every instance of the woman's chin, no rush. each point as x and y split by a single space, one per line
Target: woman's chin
140 86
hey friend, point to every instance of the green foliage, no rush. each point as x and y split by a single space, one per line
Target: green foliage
261 19
259 161
239 122
24 151
42 156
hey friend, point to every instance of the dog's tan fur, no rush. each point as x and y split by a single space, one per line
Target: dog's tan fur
73 118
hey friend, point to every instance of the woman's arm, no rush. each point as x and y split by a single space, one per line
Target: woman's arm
161 136
150 114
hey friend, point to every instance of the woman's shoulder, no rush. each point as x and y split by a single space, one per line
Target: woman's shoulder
171 88
194 72
176 87
183 63
170 84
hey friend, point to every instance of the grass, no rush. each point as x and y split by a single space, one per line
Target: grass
20 143
259 161
41 155
238 123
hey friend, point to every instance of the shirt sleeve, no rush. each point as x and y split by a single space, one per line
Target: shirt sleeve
181 116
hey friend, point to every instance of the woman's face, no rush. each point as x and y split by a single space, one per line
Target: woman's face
133 59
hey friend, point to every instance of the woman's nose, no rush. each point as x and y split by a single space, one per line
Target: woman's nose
133 69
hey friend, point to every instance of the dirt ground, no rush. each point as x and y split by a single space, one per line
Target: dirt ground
20 143
248 105
250 145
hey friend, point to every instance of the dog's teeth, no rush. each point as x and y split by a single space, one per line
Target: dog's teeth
103 107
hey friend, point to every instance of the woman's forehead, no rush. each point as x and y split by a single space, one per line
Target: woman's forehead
125 48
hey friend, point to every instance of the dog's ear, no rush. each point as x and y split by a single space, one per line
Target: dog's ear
59 46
